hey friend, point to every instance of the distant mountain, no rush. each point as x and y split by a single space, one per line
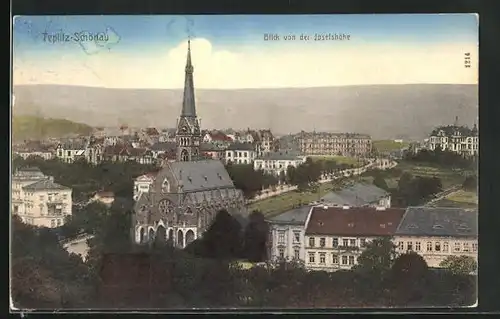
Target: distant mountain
33 127
383 111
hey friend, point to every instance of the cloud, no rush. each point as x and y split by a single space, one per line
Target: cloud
305 65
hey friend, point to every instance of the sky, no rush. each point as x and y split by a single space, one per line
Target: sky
231 52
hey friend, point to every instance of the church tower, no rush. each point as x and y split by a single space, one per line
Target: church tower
188 134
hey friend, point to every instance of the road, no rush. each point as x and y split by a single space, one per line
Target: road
444 194
78 245
379 163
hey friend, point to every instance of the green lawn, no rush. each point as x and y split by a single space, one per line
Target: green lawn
448 176
462 199
275 205
338 159
388 145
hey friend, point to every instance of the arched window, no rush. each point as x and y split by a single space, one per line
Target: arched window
184 156
165 186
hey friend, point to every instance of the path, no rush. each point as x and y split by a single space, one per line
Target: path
379 163
444 194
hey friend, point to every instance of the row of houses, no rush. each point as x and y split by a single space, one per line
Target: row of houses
330 238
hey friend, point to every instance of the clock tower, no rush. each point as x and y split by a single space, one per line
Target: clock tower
188 134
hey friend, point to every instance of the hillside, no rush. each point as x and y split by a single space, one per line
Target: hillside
33 127
383 111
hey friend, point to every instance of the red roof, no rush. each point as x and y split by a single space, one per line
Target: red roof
363 221
219 136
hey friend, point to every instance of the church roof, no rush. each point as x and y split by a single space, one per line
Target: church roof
200 175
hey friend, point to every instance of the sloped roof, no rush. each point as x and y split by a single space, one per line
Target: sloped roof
355 221
198 175
294 216
240 147
358 194
46 184
283 156
163 146
439 221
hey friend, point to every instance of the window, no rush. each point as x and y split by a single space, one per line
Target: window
296 236
362 242
42 197
429 246
296 254
457 247
281 237
445 247
281 253
59 222
474 247
466 247
322 242
311 257
322 258
417 246
344 260
351 260
311 241
345 242
68 153
65 196
352 242
409 245
52 223
437 246
335 242
401 245
335 259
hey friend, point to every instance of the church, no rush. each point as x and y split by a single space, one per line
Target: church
186 194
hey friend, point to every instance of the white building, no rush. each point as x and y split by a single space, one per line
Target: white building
277 162
240 153
458 139
336 236
143 183
436 233
70 151
38 201
286 234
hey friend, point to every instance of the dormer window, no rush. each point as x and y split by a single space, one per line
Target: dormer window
437 227
382 225
350 225
189 179
412 226
165 186
205 177
219 176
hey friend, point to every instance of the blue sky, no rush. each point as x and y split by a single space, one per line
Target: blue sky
146 37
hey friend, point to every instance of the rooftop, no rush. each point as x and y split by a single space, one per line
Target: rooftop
45 184
358 194
293 216
439 221
240 147
354 221
284 155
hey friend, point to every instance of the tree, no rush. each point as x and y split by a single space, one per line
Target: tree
380 182
378 257
409 267
255 237
459 264
470 183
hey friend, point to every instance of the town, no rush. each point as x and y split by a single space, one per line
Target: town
183 217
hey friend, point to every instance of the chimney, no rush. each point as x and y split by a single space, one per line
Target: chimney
380 208
345 207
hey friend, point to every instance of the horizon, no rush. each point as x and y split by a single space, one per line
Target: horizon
229 52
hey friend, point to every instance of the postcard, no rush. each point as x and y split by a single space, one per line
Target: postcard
244 162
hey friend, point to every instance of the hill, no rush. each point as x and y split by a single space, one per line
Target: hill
32 127
383 111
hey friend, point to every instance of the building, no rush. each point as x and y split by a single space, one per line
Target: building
240 153
286 234
277 162
213 151
185 195
35 149
454 138
267 142
336 236
71 150
342 144
358 195
436 233
143 183
38 200
106 198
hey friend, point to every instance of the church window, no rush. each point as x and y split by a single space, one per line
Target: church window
165 206
165 186
184 156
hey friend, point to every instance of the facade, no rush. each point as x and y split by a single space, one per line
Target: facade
336 236
266 141
277 162
437 233
358 195
72 150
458 139
38 200
240 153
185 195
342 144
286 234
143 183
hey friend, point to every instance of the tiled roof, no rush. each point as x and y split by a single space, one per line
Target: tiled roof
29 172
219 136
199 175
240 147
358 194
439 221
209 147
163 146
74 145
450 130
355 221
46 184
293 216
284 156
333 135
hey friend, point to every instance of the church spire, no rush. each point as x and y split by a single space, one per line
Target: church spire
188 104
